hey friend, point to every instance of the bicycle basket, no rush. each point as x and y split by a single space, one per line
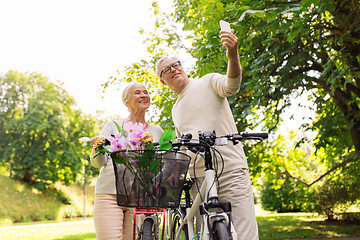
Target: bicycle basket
149 178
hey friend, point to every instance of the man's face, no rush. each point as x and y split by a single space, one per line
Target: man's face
176 78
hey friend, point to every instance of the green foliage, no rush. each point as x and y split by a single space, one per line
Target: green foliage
282 166
290 197
286 48
40 128
338 192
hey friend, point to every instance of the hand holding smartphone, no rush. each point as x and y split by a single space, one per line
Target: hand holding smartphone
224 26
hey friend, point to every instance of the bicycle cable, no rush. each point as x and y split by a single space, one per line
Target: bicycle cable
197 154
217 153
213 152
196 182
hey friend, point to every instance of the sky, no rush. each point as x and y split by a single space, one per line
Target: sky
79 42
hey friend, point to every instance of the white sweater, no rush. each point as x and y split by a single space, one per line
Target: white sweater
202 106
105 182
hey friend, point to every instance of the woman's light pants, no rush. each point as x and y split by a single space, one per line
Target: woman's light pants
111 221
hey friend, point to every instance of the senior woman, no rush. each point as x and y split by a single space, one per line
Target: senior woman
110 220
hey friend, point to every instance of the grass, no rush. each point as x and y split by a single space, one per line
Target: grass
271 226
303 225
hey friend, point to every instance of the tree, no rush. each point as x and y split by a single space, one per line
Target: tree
290 47
40 130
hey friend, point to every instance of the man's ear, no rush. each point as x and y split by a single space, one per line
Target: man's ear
162 81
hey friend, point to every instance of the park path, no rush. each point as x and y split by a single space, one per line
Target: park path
46 224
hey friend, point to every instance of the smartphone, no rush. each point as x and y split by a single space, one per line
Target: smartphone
224 26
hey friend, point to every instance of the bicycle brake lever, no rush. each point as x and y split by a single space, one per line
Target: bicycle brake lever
196 149
221 141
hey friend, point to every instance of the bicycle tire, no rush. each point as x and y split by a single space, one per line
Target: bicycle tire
220 231
176 220
147 233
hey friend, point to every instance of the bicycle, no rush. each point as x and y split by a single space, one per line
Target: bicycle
150 201
216 215
150 207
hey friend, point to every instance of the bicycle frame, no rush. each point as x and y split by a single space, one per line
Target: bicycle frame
206 187
152 213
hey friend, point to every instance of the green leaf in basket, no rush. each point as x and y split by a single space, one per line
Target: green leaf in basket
165 139
149 154
118 159
104 150
122 131
154 165
165 146
146 157
118 127
141 161
150 147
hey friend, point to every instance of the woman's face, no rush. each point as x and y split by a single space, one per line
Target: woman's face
139 98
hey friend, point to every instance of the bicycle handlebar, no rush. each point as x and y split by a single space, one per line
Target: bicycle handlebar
248 136
208 138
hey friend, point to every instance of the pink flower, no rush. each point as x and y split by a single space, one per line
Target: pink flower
135 143
133 139
135 130
118 142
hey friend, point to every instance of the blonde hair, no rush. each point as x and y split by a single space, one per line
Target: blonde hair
157 69
126 91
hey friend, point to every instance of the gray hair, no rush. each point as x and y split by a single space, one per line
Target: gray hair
157 69
126 91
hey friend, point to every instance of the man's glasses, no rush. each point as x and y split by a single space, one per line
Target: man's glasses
167 70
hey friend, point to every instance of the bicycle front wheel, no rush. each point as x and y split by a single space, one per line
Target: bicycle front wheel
220 231
176 221
147 229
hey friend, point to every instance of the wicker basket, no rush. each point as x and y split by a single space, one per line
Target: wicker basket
159 187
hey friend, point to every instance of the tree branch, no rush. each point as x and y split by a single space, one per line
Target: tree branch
341 95
277 117
352 88
342 164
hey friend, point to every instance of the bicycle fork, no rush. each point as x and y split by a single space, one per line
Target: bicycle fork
212 210
207 211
